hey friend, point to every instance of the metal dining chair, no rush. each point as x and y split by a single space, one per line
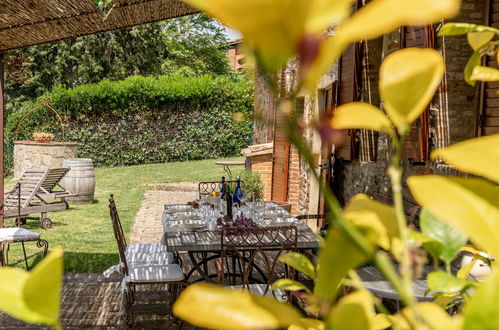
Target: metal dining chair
142 274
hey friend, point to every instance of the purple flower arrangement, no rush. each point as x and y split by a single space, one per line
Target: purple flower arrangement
241 221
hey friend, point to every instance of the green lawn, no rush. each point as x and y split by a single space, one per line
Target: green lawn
85 231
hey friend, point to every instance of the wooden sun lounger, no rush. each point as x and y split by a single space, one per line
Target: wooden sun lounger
37 191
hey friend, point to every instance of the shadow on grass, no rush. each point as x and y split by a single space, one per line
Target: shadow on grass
89 262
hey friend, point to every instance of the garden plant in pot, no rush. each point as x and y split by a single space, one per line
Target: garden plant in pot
42 137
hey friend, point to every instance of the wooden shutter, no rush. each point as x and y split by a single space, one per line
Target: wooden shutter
349 69
280 168
489 115
416 146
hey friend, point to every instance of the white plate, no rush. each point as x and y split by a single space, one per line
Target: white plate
186 217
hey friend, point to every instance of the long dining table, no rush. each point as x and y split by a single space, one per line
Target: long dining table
202 243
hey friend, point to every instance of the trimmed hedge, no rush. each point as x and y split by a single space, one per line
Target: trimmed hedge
143 120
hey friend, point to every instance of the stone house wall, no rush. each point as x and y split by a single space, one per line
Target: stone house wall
453 117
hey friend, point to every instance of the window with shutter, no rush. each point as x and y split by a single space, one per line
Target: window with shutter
416 146
489 114
348 91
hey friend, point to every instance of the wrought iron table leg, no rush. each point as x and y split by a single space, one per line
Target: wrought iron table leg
197 266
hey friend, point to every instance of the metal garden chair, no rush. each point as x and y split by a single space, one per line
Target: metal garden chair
143 273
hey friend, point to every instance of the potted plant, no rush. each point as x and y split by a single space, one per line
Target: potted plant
42 137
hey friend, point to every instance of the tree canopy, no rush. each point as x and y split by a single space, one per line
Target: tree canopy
189 45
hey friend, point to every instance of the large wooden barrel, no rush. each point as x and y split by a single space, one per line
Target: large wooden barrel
80 180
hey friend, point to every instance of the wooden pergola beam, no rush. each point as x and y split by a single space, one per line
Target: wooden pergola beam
1 144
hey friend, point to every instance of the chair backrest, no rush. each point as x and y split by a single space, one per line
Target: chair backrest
118 233
207 187
53 178
255 253
28 184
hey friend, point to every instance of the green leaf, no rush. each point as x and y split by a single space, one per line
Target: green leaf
212 306
481 311
472 63
366 24
454 29
408 81
354 311
361 115
479 39
335 260
451 239
484 73
468 204
289 285
34 297
299 262
446 283
433 247
478 156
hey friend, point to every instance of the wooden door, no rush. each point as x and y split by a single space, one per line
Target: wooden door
348 92
416 145
326 161
280 167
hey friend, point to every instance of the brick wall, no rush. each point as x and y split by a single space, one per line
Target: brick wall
262 164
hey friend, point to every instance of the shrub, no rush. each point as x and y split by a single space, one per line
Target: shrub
147 119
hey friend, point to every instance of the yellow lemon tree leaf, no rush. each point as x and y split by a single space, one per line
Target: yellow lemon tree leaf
336 258
212 306
308 324
468 204
447 283
479 156
434 316
365 24
484 73
289 285
274 29
481 311
366 212
478 39
381 321
472 63
408 81
324 12
354 311
299 262
34 297
361 115
455 29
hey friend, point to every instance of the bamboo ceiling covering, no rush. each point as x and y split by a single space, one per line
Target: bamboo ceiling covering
30 22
